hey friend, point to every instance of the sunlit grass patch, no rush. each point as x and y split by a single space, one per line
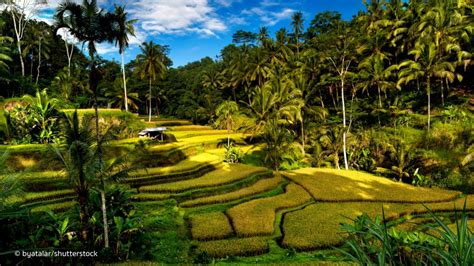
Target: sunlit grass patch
45 195
91 111
150 196
257 188
227 174
189 128
192 133
55 207
257 217
318 225
210 226
234 247
185 165
339 185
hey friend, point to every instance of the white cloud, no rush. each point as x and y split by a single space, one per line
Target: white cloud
237 20
269 3
176 17
106 48
227 3
269 18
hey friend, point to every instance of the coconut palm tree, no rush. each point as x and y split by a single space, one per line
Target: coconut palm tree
4 51
374 73
124 28
116 98
90 25
225 111
427 64
150 64
298 29
80 165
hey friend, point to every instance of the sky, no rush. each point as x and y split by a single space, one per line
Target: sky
194 29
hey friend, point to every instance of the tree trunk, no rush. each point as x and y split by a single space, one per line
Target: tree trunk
428 91
346 166
302 133
124 83
39 63
31 65
149 109
21 58
380 104
228 131
82 199
69 56
93 81
442 92
157 107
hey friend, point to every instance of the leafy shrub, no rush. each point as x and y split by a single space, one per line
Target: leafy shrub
232 153
370 242
361 159
36 121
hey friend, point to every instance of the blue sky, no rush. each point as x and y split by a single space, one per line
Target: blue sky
197 28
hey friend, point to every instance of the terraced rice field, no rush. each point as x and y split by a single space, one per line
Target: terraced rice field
243 210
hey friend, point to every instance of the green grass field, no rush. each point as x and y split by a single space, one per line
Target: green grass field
239 210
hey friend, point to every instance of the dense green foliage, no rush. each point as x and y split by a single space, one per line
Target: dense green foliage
388 92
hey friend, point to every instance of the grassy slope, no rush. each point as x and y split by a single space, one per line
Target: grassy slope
334 185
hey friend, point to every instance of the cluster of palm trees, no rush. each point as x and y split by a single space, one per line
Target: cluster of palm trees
393 46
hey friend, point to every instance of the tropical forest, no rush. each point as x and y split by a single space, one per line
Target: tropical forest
315 135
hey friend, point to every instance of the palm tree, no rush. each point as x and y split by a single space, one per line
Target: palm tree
90 25
341 61
80 165
225 111
297 23
124 28
374 74
263 35
116 98
427 64
150 65
4 51
446 27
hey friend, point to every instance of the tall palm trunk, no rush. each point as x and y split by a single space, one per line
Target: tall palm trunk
83 198
39 63
93 85
302 133
428 91
229 125
380 104
442 92
346 166
149 97
124 83
21 57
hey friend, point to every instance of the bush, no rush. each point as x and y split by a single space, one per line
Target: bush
371 242
232 154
